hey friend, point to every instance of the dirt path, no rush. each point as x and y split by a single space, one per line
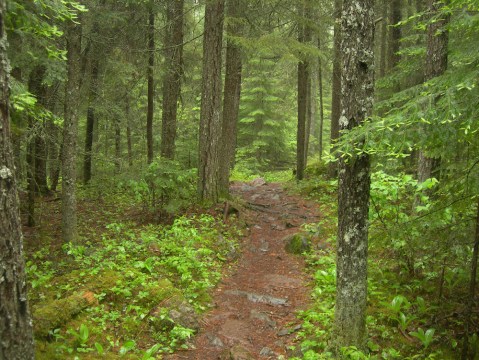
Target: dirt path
254 314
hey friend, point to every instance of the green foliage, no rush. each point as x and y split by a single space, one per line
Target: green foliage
165 186
425 337
266 125
137 274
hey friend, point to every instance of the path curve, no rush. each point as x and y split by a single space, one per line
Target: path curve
254 308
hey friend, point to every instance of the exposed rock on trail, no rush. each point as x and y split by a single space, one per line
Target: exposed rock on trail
254 313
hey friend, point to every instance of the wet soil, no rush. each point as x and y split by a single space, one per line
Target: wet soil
255 305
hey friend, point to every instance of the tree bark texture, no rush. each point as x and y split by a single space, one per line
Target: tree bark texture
172 78
336 83
70 133
16 332
151 90
357 92
90 117
232 93
210 115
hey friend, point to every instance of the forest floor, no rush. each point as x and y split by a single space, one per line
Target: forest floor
255 305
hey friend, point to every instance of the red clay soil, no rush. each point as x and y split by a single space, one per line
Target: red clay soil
255 306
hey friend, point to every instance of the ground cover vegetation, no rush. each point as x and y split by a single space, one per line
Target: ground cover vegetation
123 122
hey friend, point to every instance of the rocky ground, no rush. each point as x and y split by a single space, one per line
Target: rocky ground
255 305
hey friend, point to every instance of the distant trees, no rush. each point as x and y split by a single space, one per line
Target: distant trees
15 326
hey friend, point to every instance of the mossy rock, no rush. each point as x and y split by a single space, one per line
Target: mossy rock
159 292
58 312
297 243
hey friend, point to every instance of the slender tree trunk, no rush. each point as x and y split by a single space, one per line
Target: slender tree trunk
90 117
117 145
37 88
357 94
436 65
128 131
151 90
15 326
232 93
472 292
394 34
70 133
304 85
30 159
321 103
336 84
172 78
383 38
210 116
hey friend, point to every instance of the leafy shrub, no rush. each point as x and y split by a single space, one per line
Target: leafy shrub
165 186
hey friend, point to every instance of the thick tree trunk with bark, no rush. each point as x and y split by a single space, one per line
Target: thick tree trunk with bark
172 78
151 90
117 145
336 84
232 93
357 94
321 103
15 326
70 133
210 116
90 117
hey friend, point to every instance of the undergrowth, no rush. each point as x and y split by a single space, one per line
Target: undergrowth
405 318
133 293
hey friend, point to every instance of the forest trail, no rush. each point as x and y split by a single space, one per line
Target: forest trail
255 306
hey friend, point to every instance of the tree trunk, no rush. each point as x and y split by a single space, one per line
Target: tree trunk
304 85
321 103
436 65
472 292
30 159
70 133
15 326
210 116
36 87
117 145
336 84
128 131
151 90
383 38
357 94
172 78
90 117
232 93
394 35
